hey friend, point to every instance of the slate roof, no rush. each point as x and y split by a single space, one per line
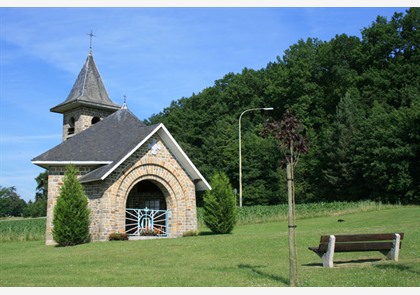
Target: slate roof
109 143
103 141
88 90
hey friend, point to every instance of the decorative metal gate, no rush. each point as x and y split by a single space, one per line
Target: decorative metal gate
146 222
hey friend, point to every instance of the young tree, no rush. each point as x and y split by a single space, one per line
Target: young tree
71 213
289 135
220 213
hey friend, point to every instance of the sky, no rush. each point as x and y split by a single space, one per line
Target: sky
152 55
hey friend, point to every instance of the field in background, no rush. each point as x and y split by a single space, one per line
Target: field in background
22 229
262 214
254 255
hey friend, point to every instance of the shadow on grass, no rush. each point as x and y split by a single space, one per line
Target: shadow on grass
400 267
256 269
346 262
210 233
206 233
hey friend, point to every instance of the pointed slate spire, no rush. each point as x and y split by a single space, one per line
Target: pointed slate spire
88 90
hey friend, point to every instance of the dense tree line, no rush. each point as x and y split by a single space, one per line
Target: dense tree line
11 203
359 99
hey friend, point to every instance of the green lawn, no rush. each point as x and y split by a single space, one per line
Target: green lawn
254 255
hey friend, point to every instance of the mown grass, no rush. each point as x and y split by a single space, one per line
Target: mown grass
34 229
253 255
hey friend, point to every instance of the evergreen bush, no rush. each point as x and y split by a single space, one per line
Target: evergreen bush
220 214
71 213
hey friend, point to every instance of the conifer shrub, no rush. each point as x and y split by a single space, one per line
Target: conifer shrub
220 214
71 213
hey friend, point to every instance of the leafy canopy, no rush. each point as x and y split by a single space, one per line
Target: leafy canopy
357 97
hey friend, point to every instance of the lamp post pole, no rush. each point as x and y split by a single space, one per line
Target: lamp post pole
240 150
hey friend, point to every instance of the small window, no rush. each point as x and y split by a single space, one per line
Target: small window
70 131
95 120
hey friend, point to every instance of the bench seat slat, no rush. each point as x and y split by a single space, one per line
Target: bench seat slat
361 237
356 247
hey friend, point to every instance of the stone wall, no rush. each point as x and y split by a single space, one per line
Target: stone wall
107 199
82 117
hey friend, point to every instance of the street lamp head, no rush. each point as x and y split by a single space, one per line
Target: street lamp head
268 109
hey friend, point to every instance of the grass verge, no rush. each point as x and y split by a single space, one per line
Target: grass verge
254 255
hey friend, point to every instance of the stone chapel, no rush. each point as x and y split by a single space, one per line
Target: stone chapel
135 176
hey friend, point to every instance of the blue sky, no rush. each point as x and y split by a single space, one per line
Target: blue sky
151 55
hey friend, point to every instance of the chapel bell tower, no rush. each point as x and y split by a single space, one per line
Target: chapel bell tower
87 103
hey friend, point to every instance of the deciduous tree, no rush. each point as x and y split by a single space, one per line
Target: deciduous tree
289 134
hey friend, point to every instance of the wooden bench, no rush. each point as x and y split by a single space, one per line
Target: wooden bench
388 244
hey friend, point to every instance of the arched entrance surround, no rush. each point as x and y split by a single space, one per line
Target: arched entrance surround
165 179
146 212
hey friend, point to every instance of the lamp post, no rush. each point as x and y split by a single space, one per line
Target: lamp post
240 150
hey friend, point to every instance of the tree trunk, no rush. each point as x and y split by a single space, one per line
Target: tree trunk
291 225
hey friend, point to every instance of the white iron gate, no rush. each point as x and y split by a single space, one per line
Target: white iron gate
146 222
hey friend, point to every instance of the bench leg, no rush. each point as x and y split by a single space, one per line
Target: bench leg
328 257
395 251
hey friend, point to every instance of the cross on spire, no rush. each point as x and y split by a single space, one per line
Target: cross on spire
91 36
124 106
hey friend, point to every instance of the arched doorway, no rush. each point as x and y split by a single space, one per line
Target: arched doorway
146 210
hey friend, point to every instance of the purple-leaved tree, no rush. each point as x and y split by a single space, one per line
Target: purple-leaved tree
289 134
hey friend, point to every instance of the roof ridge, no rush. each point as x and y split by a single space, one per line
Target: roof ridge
86 72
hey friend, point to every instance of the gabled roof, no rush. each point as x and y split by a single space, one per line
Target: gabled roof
88 90
109 143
